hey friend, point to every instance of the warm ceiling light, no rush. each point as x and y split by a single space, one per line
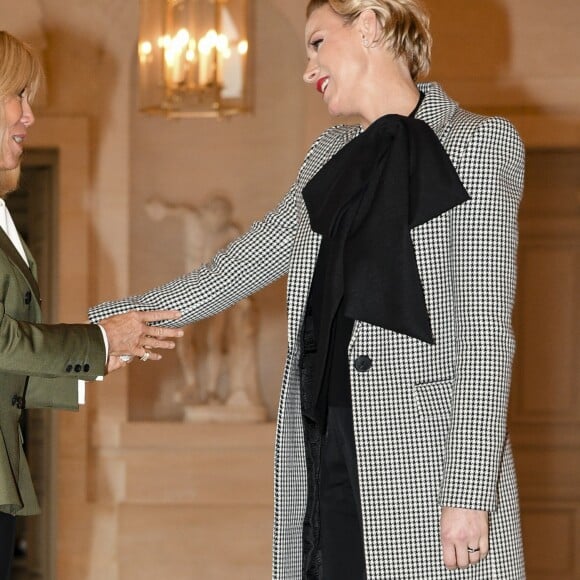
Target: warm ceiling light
193 57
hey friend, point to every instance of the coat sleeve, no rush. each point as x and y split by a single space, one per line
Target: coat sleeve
50 350
484 236
249 263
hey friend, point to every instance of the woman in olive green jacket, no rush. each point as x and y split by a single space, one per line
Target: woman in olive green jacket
32 356
41 364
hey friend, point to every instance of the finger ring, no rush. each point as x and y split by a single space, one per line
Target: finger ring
471 550
126 358
146 356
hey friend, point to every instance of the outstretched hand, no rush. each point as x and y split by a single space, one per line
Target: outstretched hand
130 334
464 536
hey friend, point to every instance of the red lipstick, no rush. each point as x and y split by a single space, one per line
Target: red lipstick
320 83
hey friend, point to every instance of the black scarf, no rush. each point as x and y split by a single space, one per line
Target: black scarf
364 202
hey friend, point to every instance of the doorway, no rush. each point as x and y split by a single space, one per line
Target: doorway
545 402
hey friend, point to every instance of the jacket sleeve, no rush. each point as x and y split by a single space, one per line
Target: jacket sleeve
51 350
57 393
249 263
484 236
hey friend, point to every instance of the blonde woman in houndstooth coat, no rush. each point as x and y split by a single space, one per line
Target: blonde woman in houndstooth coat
399 240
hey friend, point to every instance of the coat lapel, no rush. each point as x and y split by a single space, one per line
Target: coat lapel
12 253
437 109
300 275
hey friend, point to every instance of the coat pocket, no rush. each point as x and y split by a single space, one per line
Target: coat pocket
434 398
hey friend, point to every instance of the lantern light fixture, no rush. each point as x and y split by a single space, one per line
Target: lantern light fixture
193 57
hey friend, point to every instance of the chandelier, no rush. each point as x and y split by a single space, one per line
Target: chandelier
193 57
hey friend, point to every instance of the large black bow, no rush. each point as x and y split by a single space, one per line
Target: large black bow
364 202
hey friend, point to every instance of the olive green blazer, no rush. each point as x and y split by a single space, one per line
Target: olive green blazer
40 365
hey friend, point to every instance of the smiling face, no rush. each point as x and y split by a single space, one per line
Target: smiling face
20 77
336 60
354 67
15 119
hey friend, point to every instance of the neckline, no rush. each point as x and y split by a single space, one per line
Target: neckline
413 113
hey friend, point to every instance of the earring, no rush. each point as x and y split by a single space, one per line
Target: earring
365 42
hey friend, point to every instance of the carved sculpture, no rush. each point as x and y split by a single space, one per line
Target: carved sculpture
225 343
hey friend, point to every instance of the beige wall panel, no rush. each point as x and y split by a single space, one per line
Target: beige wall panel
207 464
513 53
88 543
548 473
206 436
547 129
193 543
200 477
552 185
550 545
547 367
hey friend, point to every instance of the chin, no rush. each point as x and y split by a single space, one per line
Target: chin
9 180
337 110
334 112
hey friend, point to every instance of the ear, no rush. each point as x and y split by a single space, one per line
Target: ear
368 25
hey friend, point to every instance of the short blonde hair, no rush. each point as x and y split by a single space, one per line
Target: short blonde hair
20 70
405 27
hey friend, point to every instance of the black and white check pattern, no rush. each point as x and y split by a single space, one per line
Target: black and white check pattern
430 420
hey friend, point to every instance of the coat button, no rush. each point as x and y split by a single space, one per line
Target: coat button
28 297
78 368
18 402
363 363
69 368
87 368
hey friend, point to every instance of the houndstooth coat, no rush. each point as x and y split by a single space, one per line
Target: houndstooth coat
430 420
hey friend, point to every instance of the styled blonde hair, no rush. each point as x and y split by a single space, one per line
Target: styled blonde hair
404 23
20 69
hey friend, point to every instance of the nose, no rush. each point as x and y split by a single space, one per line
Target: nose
27 114
310 73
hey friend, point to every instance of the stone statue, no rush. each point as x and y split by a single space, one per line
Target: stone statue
225 343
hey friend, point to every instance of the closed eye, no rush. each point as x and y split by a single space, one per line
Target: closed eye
316 43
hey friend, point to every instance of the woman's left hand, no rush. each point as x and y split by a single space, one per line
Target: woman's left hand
464 536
